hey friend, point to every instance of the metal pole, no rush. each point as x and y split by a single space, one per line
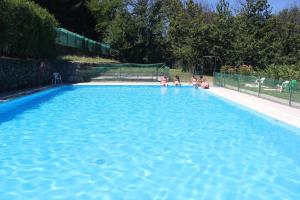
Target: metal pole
239 82
215 65
259 88
291 92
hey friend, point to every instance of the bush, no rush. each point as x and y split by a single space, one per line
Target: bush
229 69
246 70
278 72
284 72
27 30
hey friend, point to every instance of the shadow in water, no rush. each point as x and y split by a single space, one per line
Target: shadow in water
10 110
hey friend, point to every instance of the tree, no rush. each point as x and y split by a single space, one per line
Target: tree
250 26
72 15
189 35
223 33
104 13
288 26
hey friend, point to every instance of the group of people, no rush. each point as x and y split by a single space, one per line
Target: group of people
165 81
201 82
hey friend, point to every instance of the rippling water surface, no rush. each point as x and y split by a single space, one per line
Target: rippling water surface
143 142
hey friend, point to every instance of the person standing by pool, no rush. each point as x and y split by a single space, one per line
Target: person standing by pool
177 81
164 80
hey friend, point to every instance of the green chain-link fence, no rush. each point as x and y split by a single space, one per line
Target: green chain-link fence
282 91
70 39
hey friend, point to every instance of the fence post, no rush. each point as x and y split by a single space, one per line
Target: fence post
291 92
239 82
223 79
259 88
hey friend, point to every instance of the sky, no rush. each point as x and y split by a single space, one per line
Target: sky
277 5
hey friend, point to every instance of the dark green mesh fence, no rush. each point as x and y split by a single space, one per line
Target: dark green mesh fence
70 39
282 91
126 71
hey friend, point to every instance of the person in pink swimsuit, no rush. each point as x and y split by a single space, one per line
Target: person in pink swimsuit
164 80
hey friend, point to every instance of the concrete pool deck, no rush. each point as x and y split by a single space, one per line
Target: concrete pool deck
281 112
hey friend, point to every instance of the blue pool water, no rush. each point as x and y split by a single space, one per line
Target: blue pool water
143 142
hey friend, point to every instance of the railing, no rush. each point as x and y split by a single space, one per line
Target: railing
281 91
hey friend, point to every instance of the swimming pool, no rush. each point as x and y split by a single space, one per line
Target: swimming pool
143 142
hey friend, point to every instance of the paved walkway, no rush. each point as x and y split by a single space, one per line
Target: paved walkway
277 111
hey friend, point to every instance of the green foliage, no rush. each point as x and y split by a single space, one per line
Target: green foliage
284 72
229 69
86 59
277 72
183 32
73 15
243 69
134 28
251 26
288 36
188 35
104 12
28 29
223 33
246 69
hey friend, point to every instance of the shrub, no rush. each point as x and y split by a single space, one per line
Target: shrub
229 69
246 70
27 30
284 72
278 72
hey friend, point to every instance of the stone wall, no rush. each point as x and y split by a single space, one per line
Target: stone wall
20 74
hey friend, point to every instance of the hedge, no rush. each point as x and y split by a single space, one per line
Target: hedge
277 72
27 30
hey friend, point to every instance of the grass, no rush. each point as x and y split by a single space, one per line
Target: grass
86 59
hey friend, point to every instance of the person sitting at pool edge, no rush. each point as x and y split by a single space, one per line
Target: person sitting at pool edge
177 81
200 80
194 81
204 84
164 80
